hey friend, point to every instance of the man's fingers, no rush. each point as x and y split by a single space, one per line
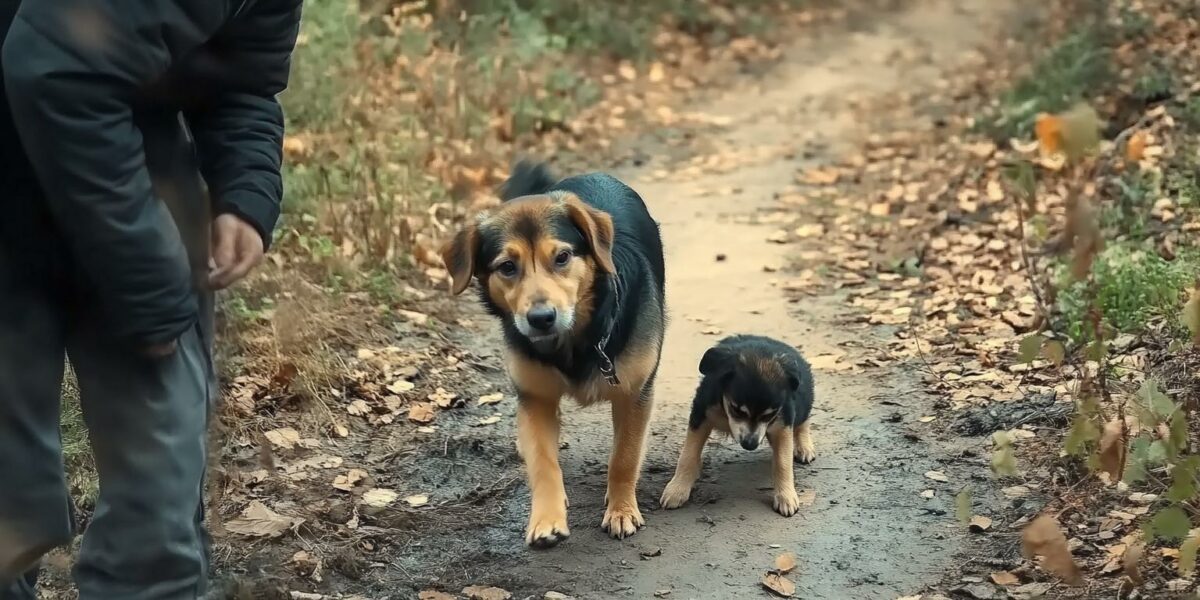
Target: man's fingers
247 255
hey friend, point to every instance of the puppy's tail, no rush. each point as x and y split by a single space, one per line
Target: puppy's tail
527 178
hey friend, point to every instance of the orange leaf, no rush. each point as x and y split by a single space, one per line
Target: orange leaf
1135 149
1112 449
1049 132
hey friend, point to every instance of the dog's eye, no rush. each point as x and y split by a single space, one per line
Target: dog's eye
507 268
563 258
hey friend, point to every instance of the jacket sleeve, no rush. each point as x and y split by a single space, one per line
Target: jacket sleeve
71 71
239 133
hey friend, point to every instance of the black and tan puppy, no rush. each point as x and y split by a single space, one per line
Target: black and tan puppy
752 388
574 271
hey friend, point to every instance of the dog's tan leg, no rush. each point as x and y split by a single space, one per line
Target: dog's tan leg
631 422
688 470
786 501
537 439
805 452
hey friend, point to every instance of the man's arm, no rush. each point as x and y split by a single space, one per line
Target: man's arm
71 70
239 134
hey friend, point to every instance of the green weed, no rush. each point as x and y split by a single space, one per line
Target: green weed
1133 286
1069 72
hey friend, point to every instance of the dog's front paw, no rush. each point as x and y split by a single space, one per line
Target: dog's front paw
547 528
787 502
805 452
675 495
622 519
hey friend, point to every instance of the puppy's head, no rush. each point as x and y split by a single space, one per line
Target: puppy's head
755 389
536 258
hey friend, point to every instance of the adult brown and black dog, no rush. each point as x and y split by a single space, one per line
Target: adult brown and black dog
573 270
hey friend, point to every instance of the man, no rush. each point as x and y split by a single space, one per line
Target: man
115 116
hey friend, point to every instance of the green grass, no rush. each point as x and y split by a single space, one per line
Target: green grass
1133 286
1128 214
1072 70
77 449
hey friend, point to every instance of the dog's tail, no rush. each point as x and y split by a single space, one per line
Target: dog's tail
527 178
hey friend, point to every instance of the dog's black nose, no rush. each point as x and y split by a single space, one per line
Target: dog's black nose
749 443
542 317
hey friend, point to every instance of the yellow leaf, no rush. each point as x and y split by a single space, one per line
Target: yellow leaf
1135 148
785 563
1048 129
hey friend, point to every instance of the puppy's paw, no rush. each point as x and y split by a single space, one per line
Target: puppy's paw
547 528
675 495
805 452
622 519
787 502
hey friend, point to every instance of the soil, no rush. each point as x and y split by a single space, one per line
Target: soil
869 533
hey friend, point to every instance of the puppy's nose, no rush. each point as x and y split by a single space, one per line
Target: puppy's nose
542 317
750 443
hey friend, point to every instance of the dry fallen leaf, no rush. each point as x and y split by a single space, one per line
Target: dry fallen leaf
284 437
443 398
807 497
347 482
785 563
259 521
779 585
492 420
400 386
421 412
937 476
1111 452
417 500
479 592
491 398
379 497
1048 129
1005 578
980 524
359 408
1042 537
434 595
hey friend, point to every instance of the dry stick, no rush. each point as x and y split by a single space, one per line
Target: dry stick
1028 260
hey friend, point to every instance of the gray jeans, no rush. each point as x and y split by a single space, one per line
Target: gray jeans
147 420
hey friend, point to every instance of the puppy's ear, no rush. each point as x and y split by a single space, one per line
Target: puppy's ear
717 360
459 256
597 227
793 381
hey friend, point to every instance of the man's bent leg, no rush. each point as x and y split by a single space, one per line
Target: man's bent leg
34 505
147 419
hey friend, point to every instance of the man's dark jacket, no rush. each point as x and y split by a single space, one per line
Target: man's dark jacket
119 107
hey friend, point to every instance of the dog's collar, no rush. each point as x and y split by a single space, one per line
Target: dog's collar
607 368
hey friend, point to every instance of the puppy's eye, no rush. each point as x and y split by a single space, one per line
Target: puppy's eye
507 268
738 411
562 258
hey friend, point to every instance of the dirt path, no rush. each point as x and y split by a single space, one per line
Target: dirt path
869 533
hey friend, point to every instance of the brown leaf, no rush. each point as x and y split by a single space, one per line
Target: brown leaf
259 521
937 476
1005 578
284 437
379 497
479 592
1048 129
491 398
1111 453
1131 560
779 585
347 482
1042 537
421 412
785 563
434 595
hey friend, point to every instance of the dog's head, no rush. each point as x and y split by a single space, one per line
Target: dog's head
536 258
755 389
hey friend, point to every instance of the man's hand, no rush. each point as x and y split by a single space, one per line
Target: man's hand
236 248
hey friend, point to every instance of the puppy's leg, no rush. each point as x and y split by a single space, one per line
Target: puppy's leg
805 452
688 470
537 439
631 420
786 501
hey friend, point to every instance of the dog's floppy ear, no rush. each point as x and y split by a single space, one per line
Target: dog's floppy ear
597 227
793 380
717 360
459 256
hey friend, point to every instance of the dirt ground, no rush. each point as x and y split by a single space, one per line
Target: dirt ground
869 533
